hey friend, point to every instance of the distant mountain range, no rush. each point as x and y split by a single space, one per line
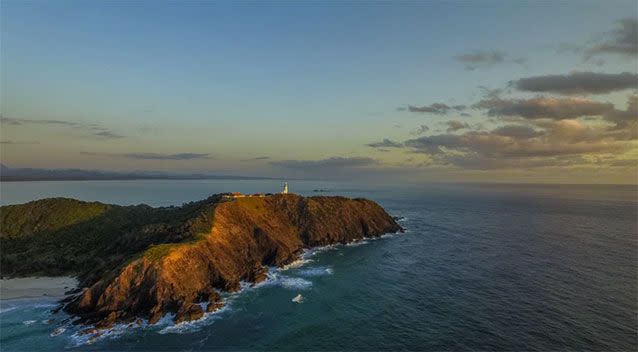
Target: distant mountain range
31 174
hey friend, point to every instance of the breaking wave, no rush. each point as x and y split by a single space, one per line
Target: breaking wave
7 309
316 271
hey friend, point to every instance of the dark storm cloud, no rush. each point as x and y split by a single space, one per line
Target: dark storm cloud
329 163
578 83
542 107
485 59
434 108
621 41
385 143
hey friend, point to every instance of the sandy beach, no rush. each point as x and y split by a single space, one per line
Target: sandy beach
31 287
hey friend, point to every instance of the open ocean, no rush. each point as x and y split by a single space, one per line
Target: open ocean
480 267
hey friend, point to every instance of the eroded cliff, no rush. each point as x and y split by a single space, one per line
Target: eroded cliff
244 237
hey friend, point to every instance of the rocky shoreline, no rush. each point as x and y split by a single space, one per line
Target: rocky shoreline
245 237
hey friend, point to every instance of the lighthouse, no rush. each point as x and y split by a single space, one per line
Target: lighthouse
285 190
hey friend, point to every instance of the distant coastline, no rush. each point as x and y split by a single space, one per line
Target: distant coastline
8 174
128 177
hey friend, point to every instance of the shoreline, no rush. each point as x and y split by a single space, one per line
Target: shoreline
36 287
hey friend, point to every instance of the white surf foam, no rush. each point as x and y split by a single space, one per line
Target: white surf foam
194 325
316 271
57 331
7 309
295 283
357 243
114 332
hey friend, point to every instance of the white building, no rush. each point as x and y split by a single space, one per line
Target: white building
285 191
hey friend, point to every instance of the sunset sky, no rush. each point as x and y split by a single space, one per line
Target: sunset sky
494 91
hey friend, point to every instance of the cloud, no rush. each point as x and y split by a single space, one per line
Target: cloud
257 158
517 131
632 163
578 83
420 130
486 150
543 107
455 125
478 59
625 121
334 162
18 122
91 128
491 93
108 135
534 143
434 108
179 156
386 143
485 59
17 142
154 156
623 40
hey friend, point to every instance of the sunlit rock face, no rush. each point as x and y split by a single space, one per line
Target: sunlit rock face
247 234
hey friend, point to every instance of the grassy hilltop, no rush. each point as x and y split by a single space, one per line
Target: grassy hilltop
60 236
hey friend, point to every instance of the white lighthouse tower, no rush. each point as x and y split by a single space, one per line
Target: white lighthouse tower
285 191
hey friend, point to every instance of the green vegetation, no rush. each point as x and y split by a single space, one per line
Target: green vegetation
156 252
60 236
159 251
46 215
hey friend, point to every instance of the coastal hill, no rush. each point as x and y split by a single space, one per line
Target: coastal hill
143 262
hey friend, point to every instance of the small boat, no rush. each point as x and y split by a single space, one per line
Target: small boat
298 298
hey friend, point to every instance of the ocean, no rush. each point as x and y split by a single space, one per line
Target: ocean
480 267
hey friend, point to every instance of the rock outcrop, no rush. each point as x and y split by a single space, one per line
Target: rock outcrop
246 236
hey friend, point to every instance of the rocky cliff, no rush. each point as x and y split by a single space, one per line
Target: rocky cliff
244 237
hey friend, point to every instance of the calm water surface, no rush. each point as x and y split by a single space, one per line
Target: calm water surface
498 267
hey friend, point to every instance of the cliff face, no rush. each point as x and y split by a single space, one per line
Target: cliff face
247 234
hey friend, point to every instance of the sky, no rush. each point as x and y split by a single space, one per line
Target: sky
419 91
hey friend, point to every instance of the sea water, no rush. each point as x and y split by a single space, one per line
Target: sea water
481 267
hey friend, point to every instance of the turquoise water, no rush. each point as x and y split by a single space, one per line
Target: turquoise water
497 267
